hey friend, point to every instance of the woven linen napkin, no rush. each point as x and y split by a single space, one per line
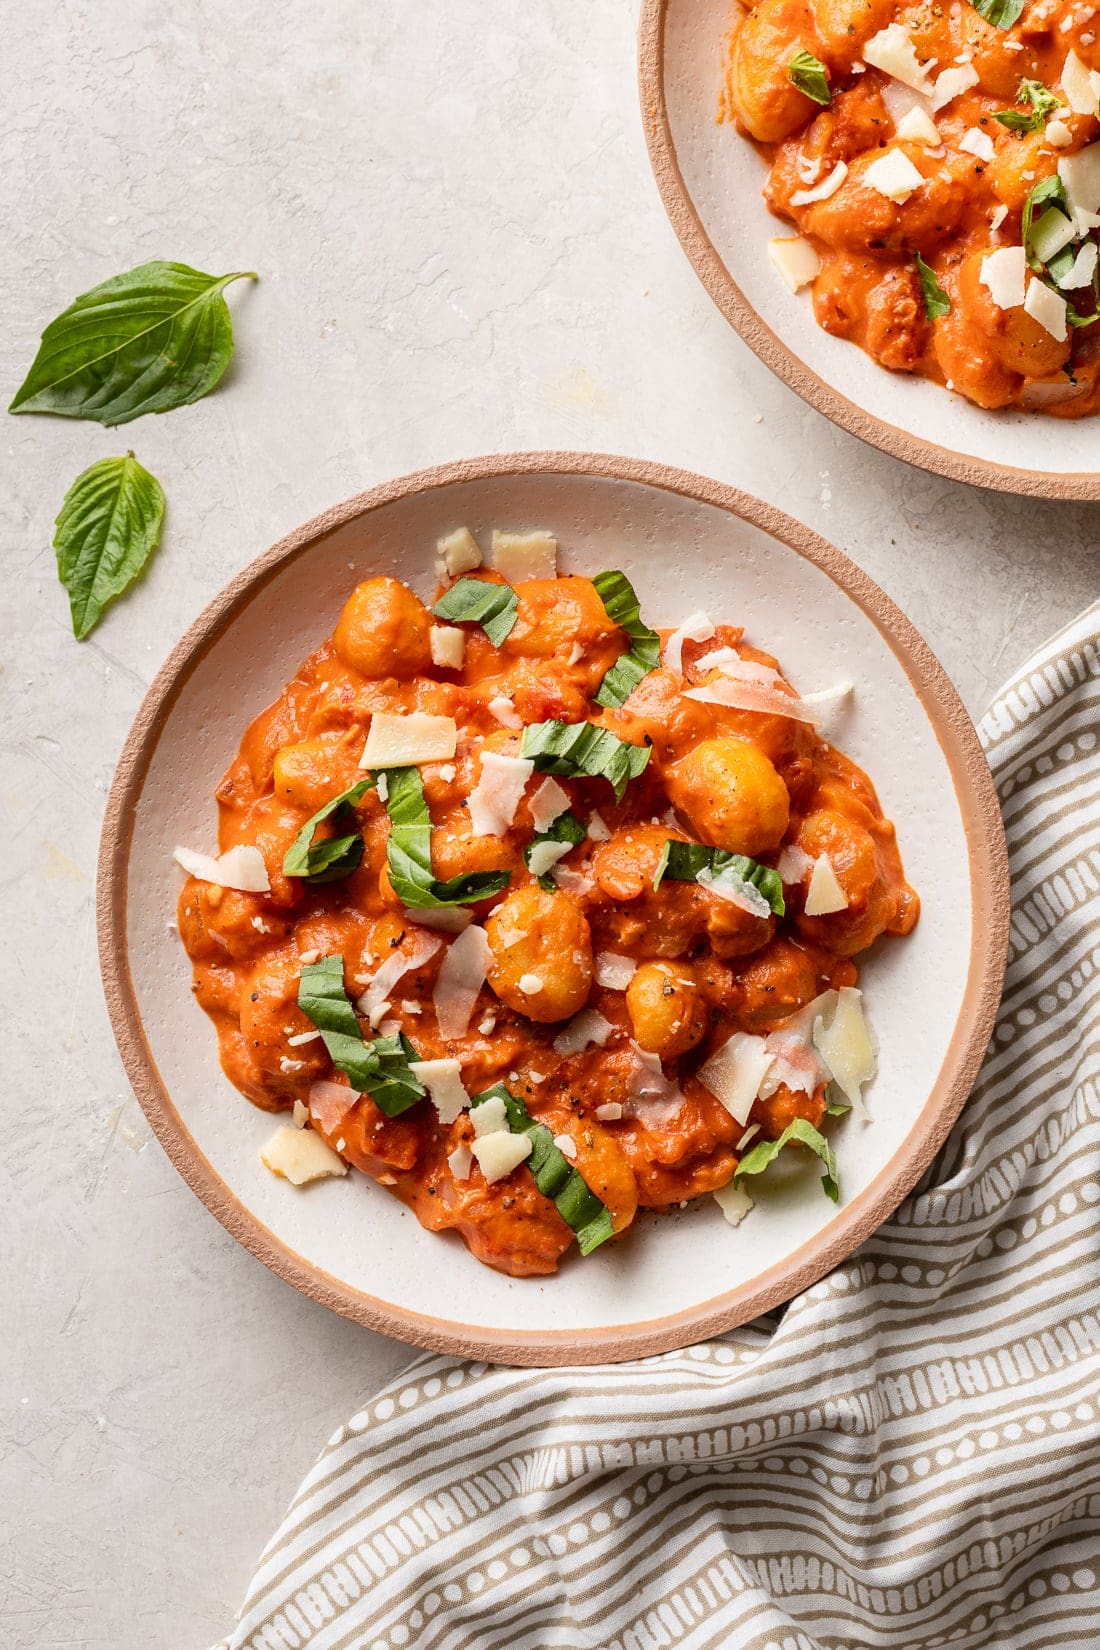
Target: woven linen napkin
906 1457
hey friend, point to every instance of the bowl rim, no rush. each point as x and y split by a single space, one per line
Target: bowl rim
773 351
987 854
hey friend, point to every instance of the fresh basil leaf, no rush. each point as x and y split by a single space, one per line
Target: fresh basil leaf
409 851
837 1108
1042 105
107 530
493 606
580 749
1047 192
155 338
566 828
757 1159
936 301
335 857
1001 13
807 72
682 861
621 606
381 1068
554 1175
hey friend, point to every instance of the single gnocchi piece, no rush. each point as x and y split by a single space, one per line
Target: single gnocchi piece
384 630
667 1009
732 796
541 946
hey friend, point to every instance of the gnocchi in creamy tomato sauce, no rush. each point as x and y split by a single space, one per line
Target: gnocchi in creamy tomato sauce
940 163
538 916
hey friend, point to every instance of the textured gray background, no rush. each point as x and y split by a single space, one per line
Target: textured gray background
462 250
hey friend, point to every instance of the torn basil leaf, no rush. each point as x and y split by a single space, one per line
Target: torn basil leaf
566 828
159 336
621 606
382 1068
1001 13
107 530
807 72
682 861
335 857
580 749
758 1157
1048 192
556 1178
475 601
1042 104
936 301
409 851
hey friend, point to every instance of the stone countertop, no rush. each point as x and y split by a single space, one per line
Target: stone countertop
461 250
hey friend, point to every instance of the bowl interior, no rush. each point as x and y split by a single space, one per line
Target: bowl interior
681 554
724 177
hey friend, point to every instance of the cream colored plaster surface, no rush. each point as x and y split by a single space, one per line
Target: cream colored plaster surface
461 251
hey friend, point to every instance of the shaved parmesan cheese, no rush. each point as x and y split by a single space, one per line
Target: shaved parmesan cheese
976 142
734 1202
418 949
505 712
951 83
794 259
443 1081
460 981
917 126
300 1114
448 645
893 175
610 1112
241 868
846 1046
695 628
825 894
1082 270
892 51
382 786
447 920
499 1154
998 217
1081 85
406 741
542 855
589 1026
597 830
1058 134
795 1064
613 972
654 1100
530 984
517 556
1048 308
497 794
447 771
329 1103
459 552
1080 175
751 696
576 654
571 882
793 864
744 895
566 1145
1004 272
823 190
734 1074
300 1155
728 662
490 1117
1051 233
750 1134
460 1162
308 958
548 803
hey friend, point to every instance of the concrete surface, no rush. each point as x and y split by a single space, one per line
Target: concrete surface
461 250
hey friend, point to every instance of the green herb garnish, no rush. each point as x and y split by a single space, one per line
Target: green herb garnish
1048 192
335 857
382 1068
158 337
936 301
807 72
107 530
566 828
757 1159
476 601
621 606
580 749
409 851
682 861
554 1175
1001 13
1042 105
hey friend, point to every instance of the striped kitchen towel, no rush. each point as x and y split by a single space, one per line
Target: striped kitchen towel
907 1457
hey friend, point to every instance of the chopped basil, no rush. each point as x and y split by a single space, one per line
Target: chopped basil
936 301
566 828
758 1158
554 1175
682 861
476 601
409 851
579 749
1042 105
1047 192
335 857
1001 13
621 606
837 1108
381 1068
807 72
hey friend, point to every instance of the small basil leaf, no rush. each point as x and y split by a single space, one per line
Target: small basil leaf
382 1068
682 862
155 338
621 606
409 851
566 828
1001 13
757 1159
936 301
492 606
1042 105
807 72
580 749
335 857
556 1178
1047 192
107 530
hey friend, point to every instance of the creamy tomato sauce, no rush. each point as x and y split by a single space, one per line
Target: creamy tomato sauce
967 202
747 781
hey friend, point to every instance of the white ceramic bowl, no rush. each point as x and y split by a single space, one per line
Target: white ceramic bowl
711 178
686 543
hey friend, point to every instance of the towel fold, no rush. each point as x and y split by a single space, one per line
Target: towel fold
907 1457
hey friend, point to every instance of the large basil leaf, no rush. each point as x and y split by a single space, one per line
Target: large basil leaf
682 862
157 337
382 1068
577 749
757 1159
556 1178
108 528
334 857
409 852
621 606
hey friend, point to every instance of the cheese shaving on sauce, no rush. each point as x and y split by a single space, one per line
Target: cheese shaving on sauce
976 142
443 1081
734 1074
1081 85
697 627
240 868
1046 307
406 741
419 949
460 981
951 83
505 712
825 895
447 920
542 855
498 792
751 696
519 556
461 1161
548 803
300 1155
892 50
1080 175
448 645
736 890
1003 274
653 1098
490 1117
610 1112
330 1103
823 190
917 126
613 972
793 864
499 1154
588 1026
894 176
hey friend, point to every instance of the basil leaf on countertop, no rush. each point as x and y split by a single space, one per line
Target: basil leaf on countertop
556 1178
936 301
581 749
107 530
807 72
682 862
382 1068
409 851
621 606
477 601
335 857
157 337
757 1158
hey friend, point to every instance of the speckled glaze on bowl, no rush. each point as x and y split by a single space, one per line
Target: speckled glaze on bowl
685 542
710 179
